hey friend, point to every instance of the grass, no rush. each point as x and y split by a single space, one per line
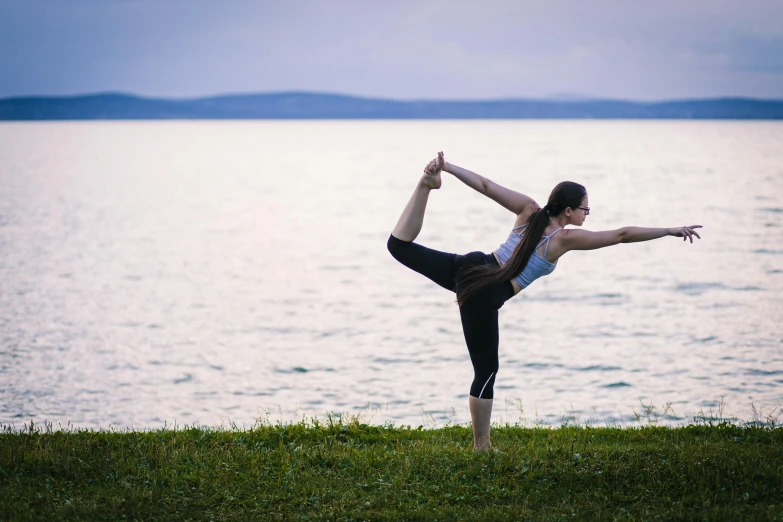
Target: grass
353 471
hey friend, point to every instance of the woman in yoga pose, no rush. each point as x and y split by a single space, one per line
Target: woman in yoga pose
483 282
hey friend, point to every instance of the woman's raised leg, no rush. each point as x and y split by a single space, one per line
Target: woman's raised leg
412 218
433 264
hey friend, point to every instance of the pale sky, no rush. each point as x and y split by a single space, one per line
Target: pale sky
401 49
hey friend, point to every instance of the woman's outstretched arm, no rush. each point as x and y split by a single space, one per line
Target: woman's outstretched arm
507 198
587 240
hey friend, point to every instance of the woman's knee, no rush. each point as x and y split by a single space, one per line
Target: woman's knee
483 386
396 246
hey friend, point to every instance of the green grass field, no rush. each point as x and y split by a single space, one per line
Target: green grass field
353 471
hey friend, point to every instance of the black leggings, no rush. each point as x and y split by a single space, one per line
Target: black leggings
479 314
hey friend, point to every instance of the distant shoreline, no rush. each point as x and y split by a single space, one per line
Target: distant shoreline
315 106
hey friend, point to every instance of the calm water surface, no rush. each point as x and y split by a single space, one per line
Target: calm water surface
215 272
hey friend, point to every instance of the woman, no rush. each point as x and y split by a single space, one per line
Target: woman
483 282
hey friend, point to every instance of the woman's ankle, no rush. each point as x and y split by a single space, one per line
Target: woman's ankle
482 444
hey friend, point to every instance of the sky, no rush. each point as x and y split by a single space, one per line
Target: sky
400 49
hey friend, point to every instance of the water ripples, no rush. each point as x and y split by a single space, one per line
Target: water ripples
137 292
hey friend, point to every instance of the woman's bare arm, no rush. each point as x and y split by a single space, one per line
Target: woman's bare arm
514 201
586 240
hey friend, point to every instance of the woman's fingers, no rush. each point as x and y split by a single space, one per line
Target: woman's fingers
687 233
692 232
436 165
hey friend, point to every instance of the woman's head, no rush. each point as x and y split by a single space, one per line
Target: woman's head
568 201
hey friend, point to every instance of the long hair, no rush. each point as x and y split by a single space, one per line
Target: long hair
472 280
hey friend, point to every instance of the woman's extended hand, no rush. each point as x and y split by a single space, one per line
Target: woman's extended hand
685 232
436 165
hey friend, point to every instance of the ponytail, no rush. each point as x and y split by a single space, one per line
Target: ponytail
472 280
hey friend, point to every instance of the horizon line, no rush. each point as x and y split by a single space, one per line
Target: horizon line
565 99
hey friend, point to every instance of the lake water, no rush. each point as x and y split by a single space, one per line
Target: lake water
209 273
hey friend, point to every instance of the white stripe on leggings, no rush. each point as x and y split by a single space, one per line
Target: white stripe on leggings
485 384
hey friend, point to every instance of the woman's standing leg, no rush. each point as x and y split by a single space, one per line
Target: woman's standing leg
480 326
480 415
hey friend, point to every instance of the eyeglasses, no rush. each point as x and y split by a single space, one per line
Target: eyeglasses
586 209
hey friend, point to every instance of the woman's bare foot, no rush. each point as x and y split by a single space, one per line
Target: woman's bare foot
482 444
431 178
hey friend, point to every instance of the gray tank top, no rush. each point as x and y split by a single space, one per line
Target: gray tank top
537 266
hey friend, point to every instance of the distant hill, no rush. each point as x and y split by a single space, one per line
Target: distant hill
298 105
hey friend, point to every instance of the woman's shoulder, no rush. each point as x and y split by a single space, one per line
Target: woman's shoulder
529 210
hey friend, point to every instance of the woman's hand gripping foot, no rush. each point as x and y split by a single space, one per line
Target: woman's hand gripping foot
431 178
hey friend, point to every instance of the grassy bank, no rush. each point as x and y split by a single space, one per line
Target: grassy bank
356 471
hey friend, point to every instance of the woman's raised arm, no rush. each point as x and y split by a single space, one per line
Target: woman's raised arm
507 198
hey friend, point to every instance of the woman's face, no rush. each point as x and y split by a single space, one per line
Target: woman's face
581 212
